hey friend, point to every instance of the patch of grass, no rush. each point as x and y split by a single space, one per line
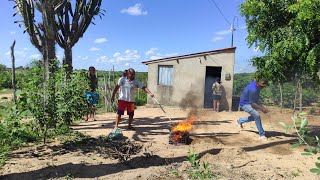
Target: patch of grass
296 173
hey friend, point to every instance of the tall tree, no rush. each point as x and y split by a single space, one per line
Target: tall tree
42 34
288 34
72 24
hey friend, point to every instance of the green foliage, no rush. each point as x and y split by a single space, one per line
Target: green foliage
52 107
14 133
240 82
300 125
197 171
287 33
271 94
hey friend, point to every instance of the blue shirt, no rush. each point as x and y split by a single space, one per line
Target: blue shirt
250 94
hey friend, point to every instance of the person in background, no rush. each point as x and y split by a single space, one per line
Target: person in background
125 72
128 86
249 102
217 92
92 96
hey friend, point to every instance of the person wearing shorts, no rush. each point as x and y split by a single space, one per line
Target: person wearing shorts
217 94
126 102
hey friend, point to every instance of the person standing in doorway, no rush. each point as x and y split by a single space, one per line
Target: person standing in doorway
217 93
249 102
92 96
127 86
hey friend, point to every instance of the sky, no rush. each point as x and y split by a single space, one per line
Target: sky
133 31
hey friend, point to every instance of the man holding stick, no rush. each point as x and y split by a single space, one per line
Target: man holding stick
127 86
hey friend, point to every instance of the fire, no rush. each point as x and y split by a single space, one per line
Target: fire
181 128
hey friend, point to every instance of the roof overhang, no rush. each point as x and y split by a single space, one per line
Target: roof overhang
190 55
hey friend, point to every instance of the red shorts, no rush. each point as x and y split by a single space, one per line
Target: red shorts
123 105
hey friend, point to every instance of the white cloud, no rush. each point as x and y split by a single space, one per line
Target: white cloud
135 10
101 40
155 57
94 49
83 57
35 56
12 32
217 38
128 55
25 49
151 51
127 64
154 54
102 59
223 33
7 53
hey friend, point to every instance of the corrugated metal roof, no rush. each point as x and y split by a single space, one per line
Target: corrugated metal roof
189 55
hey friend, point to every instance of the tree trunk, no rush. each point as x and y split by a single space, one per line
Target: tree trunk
295 97
300 96
105 94
14 74
68 60
281 97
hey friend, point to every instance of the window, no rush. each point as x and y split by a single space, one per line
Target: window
165 75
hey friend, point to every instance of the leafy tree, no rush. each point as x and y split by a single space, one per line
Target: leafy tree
42 34
70 30
281 30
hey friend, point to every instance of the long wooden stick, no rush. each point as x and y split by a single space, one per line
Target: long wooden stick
161 108
13 73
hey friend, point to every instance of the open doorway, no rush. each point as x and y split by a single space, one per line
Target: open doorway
212 74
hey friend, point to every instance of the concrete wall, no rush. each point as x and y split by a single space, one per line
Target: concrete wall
189 80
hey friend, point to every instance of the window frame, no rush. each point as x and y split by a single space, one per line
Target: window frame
158 80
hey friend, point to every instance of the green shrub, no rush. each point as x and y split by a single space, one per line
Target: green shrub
60 100
300 125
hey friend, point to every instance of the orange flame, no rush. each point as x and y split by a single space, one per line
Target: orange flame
181 128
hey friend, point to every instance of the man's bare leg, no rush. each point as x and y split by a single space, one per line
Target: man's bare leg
118 118
130 121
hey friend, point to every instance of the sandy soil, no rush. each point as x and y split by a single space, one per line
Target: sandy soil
215 136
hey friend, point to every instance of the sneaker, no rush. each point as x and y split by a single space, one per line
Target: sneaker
263 138
239 124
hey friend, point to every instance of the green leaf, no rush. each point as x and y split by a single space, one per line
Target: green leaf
295 145
306 154
315 170
318 165
283 124
304 123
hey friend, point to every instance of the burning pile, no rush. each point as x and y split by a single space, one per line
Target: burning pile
180 132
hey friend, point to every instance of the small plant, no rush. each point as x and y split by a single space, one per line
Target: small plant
300 125
296 173
197 171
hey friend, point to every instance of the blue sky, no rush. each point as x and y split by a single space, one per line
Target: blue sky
135 31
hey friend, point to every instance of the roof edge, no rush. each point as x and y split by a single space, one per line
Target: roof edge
188 55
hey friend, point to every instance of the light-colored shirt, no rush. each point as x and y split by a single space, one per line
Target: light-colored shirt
128 89
216 89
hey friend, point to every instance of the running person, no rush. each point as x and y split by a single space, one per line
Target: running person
249 102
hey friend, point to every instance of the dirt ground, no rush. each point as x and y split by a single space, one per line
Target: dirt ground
215 136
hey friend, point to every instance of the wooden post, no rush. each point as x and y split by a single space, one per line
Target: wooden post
281 97
13 73
295 97
114 80
105 94
300 96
